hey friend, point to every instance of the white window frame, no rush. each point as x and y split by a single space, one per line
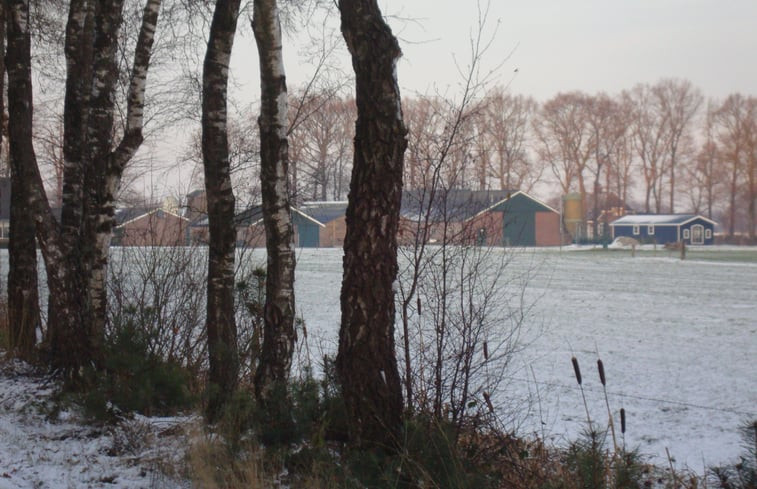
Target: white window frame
686 234
708 233
636 230
650 230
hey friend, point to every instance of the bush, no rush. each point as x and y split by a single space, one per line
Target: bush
136 380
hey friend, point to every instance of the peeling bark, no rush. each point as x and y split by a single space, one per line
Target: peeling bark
220 323
366 363
279 334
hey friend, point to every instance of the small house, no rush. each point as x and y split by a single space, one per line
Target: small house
690 229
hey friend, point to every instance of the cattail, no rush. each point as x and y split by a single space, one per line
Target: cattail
623 421
419 305
486 351
576 369
601 368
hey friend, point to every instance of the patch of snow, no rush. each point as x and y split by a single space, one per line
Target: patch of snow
41 447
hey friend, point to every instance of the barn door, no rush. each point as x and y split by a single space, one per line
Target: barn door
697 234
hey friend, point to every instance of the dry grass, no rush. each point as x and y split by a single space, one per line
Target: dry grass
211 464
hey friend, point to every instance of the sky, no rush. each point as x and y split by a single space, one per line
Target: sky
563 45
589 45
544 47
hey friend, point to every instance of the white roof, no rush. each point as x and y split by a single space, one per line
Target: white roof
658 219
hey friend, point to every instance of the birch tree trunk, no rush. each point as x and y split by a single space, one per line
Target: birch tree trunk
75 251
220 323
278 334
366 363
23 302
108 164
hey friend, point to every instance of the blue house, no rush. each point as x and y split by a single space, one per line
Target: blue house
665 228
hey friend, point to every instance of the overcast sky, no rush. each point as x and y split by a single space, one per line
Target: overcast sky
562 45
590 45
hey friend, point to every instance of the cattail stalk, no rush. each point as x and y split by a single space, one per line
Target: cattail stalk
577 371
623 426
603 380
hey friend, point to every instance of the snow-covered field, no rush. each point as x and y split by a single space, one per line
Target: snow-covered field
678 340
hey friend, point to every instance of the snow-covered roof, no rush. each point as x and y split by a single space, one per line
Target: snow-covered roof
658 219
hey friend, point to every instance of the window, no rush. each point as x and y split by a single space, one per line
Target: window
708 233
650 230
601 229
686 234
635 229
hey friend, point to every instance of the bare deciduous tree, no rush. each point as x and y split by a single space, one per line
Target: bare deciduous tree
679 102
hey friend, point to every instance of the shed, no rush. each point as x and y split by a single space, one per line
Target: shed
691 229
327 227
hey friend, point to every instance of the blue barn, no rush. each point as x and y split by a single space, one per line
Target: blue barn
665 228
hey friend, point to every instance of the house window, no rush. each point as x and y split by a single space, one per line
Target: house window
686 234
650 230
635 229
601 230
708 233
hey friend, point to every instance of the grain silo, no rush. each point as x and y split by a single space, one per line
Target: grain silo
573 213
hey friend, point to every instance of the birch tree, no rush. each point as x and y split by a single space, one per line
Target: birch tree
23 303
278 331
220 323
75 251
366 363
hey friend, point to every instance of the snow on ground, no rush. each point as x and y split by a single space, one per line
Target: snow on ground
41 448
678 340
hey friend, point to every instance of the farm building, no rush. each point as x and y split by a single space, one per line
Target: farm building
665 228
327 227
150 226
441 216
250 228
517 220
495 218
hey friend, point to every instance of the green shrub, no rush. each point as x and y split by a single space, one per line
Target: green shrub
136 380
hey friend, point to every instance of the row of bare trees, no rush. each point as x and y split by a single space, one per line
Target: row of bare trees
655 148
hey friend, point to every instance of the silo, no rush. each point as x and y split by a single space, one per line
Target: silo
573 213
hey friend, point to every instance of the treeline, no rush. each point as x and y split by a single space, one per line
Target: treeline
660 148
